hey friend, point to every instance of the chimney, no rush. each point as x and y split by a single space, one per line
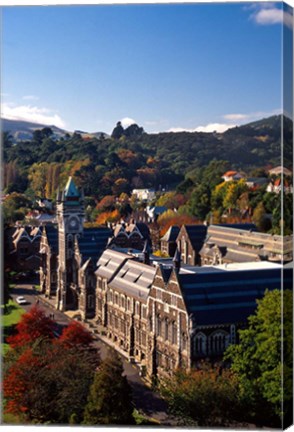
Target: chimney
177 260
146 251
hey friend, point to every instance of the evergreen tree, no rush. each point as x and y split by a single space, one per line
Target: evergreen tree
109 400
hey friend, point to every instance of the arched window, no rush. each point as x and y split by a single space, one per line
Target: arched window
219 341
200 344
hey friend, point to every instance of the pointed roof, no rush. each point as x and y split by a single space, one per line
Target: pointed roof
70 190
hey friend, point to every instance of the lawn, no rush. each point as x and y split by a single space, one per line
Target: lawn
9 319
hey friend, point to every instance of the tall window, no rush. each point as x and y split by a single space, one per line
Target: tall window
174 333
90 301
166 329
200 344
158 326
219 342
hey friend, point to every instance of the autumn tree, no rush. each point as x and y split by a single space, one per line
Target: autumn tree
32 325
109 400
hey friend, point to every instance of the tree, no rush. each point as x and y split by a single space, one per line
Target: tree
207 396
259 218
109 400
75 336
48 383
33 325
257 360
200 201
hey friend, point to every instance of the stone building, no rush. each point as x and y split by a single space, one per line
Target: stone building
132 235
166 317
233 243
70 253
190 241
161 316
168 242
22 247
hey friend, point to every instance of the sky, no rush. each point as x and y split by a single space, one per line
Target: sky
167 67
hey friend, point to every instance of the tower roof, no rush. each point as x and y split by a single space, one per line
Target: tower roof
70 190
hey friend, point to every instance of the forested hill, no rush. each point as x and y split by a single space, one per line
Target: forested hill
151 160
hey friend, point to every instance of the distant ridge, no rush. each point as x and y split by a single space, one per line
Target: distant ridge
23 130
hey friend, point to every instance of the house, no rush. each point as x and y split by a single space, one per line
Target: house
254 183
232 175
276 186
145 195
280 170
154 212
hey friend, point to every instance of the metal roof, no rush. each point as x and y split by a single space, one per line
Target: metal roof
221 296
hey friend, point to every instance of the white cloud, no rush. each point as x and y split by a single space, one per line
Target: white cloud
31 114
241 118
268 14
211 127
126 122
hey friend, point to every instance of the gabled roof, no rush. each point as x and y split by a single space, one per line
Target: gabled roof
134 279
171 234
196 234
110 262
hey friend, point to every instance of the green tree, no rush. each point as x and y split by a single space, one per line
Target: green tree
257 359
207 396
259 218
109 400
200 201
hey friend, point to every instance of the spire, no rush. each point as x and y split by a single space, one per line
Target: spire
146 252
177 260
70 190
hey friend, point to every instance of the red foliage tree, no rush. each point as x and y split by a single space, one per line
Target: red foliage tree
33 325
75 335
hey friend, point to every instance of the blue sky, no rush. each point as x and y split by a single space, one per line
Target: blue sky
166 67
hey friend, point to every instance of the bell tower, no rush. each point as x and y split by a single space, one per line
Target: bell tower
70 219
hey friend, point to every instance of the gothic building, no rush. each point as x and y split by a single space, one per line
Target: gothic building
162 316
69 254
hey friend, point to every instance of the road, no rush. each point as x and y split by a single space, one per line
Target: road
145 400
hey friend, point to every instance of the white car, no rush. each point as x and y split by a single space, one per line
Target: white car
21 300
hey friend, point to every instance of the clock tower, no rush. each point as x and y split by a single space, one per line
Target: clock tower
70 218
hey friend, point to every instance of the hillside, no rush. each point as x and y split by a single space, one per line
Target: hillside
107 165
23 130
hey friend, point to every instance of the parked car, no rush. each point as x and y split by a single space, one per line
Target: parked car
21 300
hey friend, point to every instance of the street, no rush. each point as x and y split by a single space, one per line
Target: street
145 400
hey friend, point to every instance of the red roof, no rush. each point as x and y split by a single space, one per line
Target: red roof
230 173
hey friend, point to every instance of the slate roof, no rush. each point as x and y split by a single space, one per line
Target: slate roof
92 243
171 234
52 236
134 279
196 234
70 189
222 297
110 262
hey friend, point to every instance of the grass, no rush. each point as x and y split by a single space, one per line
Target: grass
9 320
